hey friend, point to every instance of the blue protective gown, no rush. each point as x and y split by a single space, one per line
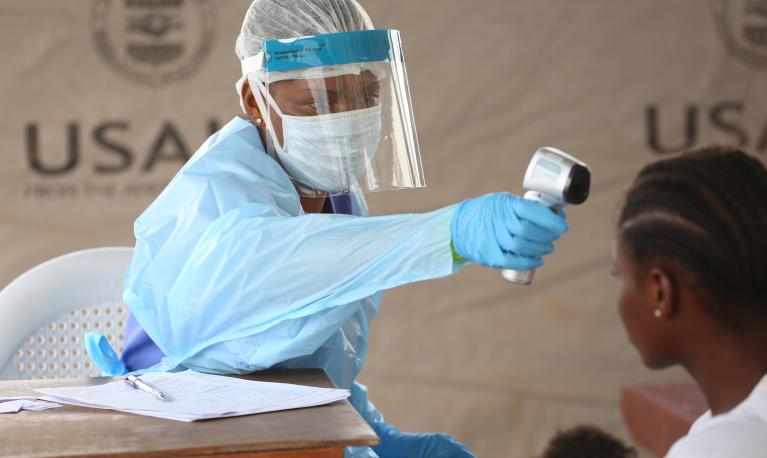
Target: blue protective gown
140 352
230 275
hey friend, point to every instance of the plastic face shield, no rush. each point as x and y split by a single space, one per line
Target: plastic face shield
338 112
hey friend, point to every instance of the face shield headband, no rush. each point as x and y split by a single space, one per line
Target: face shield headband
329 148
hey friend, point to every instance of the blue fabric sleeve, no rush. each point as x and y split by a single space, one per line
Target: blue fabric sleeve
254 269
139 352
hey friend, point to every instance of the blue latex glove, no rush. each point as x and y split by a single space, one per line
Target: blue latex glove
504 231
396 444
103 355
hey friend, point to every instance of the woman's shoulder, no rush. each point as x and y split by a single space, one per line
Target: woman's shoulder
238 135
237 154
229 170
740 433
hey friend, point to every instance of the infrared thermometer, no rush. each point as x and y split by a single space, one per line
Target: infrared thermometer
553 179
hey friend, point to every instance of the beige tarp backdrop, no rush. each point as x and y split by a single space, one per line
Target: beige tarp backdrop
101 103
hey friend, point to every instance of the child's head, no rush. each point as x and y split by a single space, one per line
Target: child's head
586 442
691 251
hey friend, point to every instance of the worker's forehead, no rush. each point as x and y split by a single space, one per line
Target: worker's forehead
364 80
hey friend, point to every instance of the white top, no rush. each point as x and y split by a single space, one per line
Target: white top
739 433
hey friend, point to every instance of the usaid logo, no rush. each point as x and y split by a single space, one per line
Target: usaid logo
743 26
154 42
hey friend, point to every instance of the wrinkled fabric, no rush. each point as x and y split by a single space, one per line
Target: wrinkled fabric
231 276
140 352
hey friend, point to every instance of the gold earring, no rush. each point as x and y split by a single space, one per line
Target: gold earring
658 313
258 121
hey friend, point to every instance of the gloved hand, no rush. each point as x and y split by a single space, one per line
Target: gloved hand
396 444
103 355
504 231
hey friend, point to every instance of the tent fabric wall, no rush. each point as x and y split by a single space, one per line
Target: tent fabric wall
502 367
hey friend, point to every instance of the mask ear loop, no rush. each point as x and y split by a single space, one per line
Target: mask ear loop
252 70
238 88
260 94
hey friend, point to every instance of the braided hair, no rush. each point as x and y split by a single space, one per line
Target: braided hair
705 212
587 442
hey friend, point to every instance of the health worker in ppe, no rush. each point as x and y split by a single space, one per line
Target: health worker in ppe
260 252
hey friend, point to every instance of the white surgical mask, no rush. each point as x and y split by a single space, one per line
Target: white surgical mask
328 152
325 152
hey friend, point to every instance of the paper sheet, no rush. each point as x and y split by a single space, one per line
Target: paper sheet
17 398
195 396
11 406
17 404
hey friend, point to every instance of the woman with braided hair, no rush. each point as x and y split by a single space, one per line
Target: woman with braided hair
691 256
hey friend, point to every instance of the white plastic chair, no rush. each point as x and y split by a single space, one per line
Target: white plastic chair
45 312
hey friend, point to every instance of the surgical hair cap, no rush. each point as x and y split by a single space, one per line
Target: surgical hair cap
277 19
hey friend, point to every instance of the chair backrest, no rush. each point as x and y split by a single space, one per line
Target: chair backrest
45 312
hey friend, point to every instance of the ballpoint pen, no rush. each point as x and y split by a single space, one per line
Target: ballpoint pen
136 383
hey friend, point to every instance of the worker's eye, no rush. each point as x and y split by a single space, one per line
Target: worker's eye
366 100
371 99
308 108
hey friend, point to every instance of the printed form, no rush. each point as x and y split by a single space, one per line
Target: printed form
195 396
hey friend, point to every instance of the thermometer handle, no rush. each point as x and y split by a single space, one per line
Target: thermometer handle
526 277
518 276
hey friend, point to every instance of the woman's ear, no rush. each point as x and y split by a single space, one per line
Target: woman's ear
662 293
251 107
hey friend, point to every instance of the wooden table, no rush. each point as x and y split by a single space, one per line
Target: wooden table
657 414
69 431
